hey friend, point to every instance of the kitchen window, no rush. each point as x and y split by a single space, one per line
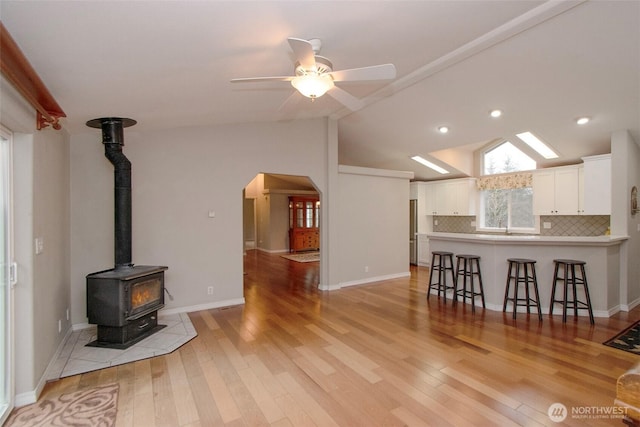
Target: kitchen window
506 193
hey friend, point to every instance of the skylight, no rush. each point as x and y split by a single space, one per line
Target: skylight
541 148
430 165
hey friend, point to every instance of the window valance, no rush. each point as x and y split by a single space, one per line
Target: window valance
505 182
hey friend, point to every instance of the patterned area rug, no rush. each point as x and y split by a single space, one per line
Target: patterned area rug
94 407
303 257
627 340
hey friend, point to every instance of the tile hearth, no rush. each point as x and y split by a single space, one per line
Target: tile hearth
75 358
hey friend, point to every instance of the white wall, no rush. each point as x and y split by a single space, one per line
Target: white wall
625 158
373 224
178 176
279 227
41 209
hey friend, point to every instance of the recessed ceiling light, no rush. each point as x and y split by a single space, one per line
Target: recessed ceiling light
583 120
495 113
443 129
430 165
541 148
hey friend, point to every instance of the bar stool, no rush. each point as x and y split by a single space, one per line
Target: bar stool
525 273
572 281
439 264
465 268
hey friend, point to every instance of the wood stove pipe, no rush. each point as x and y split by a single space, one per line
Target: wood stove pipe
113 140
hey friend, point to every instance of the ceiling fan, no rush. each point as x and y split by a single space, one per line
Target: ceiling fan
314 75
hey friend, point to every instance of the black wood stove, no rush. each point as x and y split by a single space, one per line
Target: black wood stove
123 301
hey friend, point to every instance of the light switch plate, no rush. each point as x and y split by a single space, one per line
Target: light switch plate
39 244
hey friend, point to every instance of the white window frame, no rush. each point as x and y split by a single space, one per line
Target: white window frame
508 228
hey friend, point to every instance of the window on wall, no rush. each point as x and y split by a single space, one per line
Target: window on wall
506 194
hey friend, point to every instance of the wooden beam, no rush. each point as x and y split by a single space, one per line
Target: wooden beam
19 72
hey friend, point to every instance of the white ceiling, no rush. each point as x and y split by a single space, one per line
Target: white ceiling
168 64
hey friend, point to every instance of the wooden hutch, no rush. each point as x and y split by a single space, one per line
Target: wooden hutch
304 223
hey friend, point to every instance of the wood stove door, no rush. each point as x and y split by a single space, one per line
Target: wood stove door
146 295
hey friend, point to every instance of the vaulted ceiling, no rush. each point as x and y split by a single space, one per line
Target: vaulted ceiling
169 64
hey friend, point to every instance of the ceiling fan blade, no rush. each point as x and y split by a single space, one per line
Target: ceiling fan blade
289 105
263 79
345 98
303 52
375 72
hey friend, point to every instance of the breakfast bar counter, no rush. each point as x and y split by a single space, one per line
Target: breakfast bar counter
601 253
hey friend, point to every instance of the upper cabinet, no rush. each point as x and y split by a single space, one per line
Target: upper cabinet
574 190
556 191
597 185
451 197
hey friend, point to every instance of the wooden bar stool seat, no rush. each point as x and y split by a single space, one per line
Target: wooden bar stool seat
522 271
468 267
571 281
441 263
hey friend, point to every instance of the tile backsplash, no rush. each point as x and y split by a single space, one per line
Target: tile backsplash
559 225
575 225
454 224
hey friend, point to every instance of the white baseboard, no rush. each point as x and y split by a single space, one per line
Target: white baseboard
30 397
368 280
273 251
631 306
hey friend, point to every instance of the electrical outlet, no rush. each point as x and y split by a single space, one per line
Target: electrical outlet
59 325
366 268
546 225
67 314
210 290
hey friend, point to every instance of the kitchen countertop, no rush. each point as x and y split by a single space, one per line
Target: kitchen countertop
529 239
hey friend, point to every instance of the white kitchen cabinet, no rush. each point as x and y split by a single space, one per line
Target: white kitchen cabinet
418 191
460 197
567 189
574 190
432 196
424 256
597 185
451 197
556 191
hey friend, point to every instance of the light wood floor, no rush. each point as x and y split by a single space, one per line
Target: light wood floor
371 355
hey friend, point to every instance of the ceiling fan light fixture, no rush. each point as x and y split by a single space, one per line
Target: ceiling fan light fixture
312 85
